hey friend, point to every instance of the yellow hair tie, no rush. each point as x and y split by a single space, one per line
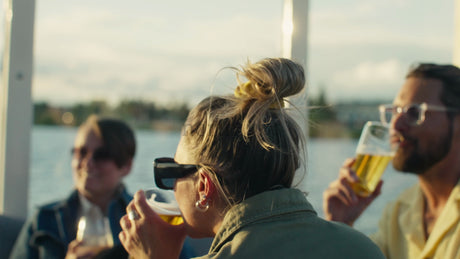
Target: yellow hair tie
247 90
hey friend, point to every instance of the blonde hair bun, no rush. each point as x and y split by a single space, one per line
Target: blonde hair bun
270 80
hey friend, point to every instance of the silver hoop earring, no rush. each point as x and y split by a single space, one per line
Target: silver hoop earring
203 204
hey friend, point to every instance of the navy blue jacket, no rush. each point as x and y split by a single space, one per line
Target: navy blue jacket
48 233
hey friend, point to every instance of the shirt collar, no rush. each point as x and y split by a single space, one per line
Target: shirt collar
88 207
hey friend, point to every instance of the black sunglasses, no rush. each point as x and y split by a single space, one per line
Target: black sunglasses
166 171
100 154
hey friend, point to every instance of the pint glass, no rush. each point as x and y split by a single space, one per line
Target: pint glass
372 156
164 203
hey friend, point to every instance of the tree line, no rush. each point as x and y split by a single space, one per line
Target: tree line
324 120
139 114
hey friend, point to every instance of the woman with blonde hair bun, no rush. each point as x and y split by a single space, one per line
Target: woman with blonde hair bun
232 176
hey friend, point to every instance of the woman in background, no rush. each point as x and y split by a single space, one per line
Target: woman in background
232 176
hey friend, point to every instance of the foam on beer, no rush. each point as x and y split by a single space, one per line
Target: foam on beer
163 205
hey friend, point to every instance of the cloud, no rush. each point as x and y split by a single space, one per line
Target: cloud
368 72
163 80
363 48
174 49
158 53
395 22
85 31
376 79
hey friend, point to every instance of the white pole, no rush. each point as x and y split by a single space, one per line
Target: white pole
295 31
16 107
456 52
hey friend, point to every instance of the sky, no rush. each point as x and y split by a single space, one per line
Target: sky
174 51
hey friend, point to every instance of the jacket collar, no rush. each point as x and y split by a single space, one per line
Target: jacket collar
260 207
121 195
66 212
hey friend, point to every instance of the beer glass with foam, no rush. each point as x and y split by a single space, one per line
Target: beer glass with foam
373 154
164 203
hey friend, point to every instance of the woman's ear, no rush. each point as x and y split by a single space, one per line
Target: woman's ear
205 184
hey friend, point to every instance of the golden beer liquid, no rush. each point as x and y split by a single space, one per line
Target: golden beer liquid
369 169
173 219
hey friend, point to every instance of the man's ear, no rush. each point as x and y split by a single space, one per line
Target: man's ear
205 184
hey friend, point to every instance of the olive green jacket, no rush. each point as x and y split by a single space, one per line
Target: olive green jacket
282 224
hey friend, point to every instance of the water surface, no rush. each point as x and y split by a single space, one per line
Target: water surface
51 175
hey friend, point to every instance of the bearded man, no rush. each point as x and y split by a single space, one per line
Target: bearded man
424 121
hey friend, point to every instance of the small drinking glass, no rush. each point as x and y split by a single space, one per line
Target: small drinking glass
373 154
164 203
94 233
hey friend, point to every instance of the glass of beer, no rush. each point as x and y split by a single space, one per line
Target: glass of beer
164 203
373 154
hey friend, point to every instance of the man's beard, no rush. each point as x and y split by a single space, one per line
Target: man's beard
413 161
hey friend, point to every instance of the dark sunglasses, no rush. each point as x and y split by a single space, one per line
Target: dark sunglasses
100 154
166 171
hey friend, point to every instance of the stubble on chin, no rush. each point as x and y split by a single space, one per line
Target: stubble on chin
400 162
407 161
411 161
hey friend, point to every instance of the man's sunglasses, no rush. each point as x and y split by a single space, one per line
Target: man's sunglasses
166 171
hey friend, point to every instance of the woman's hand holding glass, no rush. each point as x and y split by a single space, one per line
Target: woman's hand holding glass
146 234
